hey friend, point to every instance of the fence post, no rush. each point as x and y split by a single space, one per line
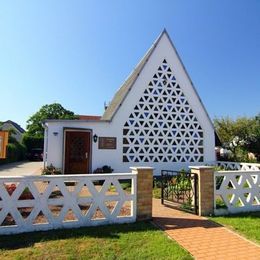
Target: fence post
144 192
205 189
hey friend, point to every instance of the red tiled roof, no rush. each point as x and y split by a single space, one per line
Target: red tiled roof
88 117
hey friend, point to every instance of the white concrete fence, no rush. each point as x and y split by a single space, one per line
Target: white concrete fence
237 191
239 166
35 203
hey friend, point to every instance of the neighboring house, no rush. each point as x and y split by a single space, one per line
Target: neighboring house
155 119
18 130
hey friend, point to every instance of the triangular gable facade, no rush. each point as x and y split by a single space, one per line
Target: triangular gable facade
156 118
162 116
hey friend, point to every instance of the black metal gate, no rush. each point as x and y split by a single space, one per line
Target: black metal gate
179 189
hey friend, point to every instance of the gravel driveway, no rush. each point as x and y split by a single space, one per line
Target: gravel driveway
21 168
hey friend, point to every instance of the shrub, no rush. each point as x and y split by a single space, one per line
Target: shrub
51 170
157 182
241 155
107 169
104 169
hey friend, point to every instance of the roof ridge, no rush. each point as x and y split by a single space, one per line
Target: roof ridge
17 126
126 86
128 83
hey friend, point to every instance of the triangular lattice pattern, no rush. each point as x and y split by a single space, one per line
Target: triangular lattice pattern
162 126
238 190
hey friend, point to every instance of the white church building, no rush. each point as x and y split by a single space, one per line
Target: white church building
155 119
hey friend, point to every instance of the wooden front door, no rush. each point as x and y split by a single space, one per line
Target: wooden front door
77 152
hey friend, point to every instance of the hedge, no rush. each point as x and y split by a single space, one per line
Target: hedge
15 152
31 142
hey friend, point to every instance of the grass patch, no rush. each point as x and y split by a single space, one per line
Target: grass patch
247 224
140 240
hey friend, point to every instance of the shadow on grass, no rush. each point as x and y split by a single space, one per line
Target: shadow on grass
253 215
109 231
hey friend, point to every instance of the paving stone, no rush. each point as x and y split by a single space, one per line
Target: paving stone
201 237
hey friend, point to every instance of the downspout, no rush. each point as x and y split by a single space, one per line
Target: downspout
45 146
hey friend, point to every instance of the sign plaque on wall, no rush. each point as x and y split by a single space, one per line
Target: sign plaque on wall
107 143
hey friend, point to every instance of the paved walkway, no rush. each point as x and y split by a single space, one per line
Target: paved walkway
201 237
21 169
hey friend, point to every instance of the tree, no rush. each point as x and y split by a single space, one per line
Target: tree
34 136
253 144
239 135
52 111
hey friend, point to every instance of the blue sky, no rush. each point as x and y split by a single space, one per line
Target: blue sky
78 53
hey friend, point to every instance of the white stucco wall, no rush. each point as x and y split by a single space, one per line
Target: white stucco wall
55 149
113 158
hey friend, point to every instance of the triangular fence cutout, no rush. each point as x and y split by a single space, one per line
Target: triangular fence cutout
8 221
40 219
256 201
25 211
238 177
71 185
219 181
112 190
125 210
55 210
111 205
11 187
84 192
246 184
70 216
255 177
98 185
98 214
230 185
239 203
56 193
126 186
26 195
220 204
247 196
84 208
41 186
230 197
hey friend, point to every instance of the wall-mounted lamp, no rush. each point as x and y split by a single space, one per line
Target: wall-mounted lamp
95 137
55 133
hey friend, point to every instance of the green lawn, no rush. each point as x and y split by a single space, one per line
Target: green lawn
247 224
127 241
